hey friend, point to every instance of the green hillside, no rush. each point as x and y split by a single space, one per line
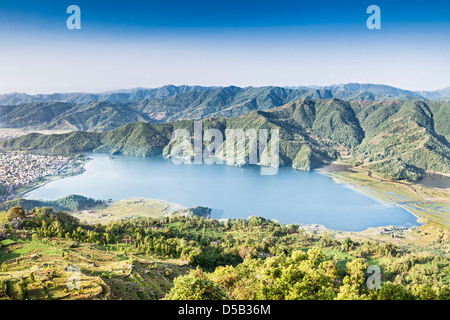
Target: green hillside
106 111
91 116
400 139
189 258
68 203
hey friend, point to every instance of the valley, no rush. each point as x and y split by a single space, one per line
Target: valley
399 139
139 227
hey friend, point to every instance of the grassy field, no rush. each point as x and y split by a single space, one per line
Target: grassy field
128 208
113 271
105 272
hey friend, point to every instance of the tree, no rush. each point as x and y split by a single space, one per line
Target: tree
349 292
424 291
15 212
22 289
227 277
352 283
394 291
195 286
356 270
315 255
3 286
347 245
444 293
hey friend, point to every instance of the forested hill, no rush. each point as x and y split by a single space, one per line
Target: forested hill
68 203
117 96
110 110
401 139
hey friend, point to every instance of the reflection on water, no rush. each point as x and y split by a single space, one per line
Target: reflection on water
336 167
291 196
435 181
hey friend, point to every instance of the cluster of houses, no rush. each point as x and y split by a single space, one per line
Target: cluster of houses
21 169
6 134
392 231
94 214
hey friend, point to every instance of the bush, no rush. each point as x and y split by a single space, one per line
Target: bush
195 286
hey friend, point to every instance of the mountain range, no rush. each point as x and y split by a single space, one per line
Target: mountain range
109 110
400 139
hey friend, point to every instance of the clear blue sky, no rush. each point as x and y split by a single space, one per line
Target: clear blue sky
126 44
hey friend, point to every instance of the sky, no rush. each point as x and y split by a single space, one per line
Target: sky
128 44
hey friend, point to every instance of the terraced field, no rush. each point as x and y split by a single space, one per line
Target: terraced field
50 268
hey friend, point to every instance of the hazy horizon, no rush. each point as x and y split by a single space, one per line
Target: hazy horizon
252 43
113 90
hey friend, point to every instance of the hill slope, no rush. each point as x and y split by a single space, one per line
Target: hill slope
254 258
118 96
106 111
399 139
92 116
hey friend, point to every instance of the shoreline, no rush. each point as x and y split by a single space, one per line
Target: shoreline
310 226
405 202
49 179
367 192
336 175
175 206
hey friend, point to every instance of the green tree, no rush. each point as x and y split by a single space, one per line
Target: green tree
195 286
444 293
22 289
15 212
356 270
424 291
394 291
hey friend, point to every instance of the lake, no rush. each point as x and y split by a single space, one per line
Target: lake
290 196
435 181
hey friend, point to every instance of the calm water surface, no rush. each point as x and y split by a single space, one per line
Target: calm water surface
435 181
291 196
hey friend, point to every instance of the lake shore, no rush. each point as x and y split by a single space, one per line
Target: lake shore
80 168
407 237
429 205
129 208
128 177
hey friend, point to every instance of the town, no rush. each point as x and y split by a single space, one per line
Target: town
22 169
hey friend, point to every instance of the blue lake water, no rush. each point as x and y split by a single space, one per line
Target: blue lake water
290 196
435 181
